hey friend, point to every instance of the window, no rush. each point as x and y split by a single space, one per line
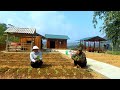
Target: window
29 41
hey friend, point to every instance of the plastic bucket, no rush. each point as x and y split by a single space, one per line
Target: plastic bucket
66 52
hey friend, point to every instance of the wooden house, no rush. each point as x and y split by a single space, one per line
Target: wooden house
27 39
56 41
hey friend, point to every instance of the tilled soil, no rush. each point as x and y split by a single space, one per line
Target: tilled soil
55 66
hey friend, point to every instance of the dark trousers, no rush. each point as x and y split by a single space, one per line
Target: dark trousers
36 64
81 64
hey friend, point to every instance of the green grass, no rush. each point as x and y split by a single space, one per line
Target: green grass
114 52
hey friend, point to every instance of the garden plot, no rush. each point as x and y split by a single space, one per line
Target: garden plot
55 66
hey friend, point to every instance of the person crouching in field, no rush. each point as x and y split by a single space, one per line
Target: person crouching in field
36 57
79 59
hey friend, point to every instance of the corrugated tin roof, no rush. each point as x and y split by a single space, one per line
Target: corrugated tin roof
95 38
56 36
21 30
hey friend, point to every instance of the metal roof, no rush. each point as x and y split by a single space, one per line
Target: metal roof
95 38
51 36
21 30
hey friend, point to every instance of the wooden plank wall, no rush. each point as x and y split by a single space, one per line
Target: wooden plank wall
37 41
57 43
48 43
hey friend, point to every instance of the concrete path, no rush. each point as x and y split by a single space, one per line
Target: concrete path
105 69
110 71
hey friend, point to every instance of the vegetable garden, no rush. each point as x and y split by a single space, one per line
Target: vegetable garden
55 66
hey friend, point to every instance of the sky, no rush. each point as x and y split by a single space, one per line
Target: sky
75 24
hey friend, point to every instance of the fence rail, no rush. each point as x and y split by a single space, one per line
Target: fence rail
13 46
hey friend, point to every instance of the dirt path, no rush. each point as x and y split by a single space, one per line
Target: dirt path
107 58
56 66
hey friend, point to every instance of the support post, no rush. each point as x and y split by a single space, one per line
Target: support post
7 43
94 45
99 46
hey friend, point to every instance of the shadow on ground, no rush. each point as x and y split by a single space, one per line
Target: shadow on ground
46 65
88 66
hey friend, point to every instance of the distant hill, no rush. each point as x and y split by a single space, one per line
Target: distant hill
75 44
69 44
72 44
108 41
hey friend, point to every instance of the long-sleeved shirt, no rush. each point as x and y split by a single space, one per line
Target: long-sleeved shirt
34 55
79 57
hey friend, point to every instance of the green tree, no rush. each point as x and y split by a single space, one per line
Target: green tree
3 27
111 24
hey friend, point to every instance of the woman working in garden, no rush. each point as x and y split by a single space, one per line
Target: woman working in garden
36 57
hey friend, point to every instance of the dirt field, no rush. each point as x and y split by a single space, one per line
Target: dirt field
56 66
103 57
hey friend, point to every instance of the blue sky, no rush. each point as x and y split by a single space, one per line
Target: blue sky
75 24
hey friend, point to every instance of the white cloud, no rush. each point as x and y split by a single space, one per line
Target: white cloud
45 22
50 22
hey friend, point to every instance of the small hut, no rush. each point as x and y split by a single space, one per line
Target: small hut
56 41
93 40
27 38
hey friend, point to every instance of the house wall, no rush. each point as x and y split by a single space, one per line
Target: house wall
58 45
48 43
37 40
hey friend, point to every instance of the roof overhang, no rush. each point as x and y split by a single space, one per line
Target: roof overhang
15 30
92 39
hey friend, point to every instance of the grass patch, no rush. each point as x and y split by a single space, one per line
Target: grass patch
113 52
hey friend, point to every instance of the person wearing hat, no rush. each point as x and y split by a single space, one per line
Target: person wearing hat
36 57
79 59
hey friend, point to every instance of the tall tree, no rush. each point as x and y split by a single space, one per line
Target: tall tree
111 24
3 27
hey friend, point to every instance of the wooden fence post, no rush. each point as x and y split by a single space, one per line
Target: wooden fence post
7 43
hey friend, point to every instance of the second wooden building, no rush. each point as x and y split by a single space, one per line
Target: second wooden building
56 41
